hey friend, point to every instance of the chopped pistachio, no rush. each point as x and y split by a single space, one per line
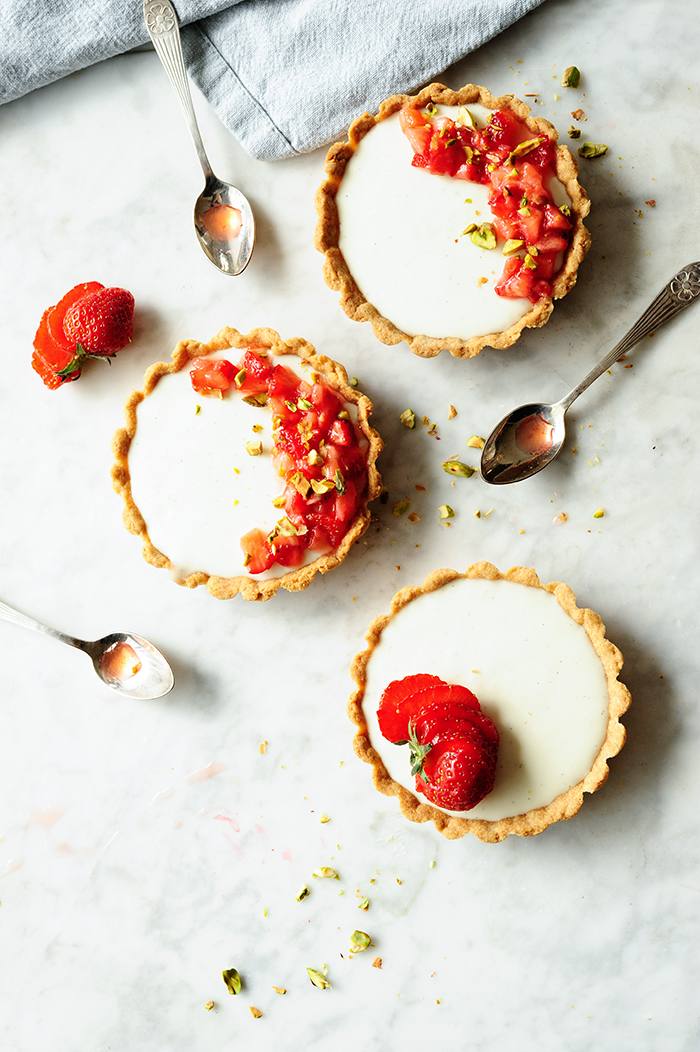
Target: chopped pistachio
574 133
512 245
565 210
414 517
451 412
317 978
598 514
302 893
571 77
304 403
197 410
324 817
524 211
257 401
377 962
209 1005
456 467
465 118
301 483
314 457
339 481
306 430
325 871
446 512
232 980
364 905
359 940
530 262
255 1012
353 381
278 502
343 415
286 528
280 989
262 748
524 148
484 236
248 559
239 378
254 448
257 428
401 507
291 406
408 418
469 229
592 149
476 442
322 485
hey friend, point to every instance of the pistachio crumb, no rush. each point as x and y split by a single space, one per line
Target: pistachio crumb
262 747
359 941
451 412
401 507
414 517
325 871
571 77
209 1005
254 448
364 905
592 149
302 893
280 989
255 1012
408 418
445 511
377 962
476 442
456 467
482 281
324 817
317 978
197 410
232 980
598 514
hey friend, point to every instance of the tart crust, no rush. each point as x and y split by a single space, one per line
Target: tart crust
563 806
298 578
327 237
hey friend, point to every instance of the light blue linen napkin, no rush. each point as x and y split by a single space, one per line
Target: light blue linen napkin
285 76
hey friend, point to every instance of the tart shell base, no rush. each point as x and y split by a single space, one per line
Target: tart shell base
533 822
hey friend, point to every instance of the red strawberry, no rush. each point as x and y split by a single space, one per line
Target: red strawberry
443 721
71 331
457 774
101 322
393 727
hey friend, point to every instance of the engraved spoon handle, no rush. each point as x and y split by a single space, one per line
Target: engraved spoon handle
164 31
7 613
682 290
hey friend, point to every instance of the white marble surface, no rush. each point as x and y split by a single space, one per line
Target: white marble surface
127 883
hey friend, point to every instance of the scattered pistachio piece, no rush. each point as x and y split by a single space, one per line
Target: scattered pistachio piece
324 817
574 133
451 412
571 77
354 381
377 962
314 457
598 514
317 978
257 428
197 410
414 517
286 528
325 871
278 502
254 448
322 485
565 210
592 149
401 507
262 748
408 418
524 148
301 483
476 442
469 229
304 403
280 989
364 905
255 1012
232 980
343 415
339 481
484 236
446 512
530 262
302 893
359 940
465 118
258 401
239 378
209 1005
512 245
456 467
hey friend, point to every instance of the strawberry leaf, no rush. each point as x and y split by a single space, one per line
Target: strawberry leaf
418 751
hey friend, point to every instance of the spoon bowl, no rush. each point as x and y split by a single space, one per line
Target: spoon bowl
223 218
530 437
124 661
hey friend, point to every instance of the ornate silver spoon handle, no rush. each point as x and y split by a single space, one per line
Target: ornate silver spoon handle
164 31
678 294
7 613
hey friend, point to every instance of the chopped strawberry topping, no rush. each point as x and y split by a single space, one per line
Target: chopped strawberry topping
518 170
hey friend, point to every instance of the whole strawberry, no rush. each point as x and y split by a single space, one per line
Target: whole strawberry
90 321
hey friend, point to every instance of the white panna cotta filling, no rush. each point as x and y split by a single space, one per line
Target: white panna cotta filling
533 669
196 486
401 237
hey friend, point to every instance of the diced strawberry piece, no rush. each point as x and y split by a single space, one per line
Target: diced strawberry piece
531 225
212 375
259 555
554 219
551 243
503 128
516 280
257 369
288 551
342 433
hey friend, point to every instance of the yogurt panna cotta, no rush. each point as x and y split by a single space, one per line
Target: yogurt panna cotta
197 475
393 232
541 669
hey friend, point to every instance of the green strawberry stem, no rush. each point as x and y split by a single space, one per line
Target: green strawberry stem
78 361
418 752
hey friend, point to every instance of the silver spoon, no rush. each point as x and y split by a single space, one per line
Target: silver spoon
223 218
531 436
127 663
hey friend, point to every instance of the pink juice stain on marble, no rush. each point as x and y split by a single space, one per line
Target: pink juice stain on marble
12 865
206 772
232 822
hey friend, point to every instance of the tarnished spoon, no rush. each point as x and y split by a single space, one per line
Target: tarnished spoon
223 218
127 663
531 436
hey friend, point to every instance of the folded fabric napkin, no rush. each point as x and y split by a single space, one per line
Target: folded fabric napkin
285 76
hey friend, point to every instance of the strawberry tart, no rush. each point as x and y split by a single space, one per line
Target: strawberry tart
451 220
246 464
488 703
